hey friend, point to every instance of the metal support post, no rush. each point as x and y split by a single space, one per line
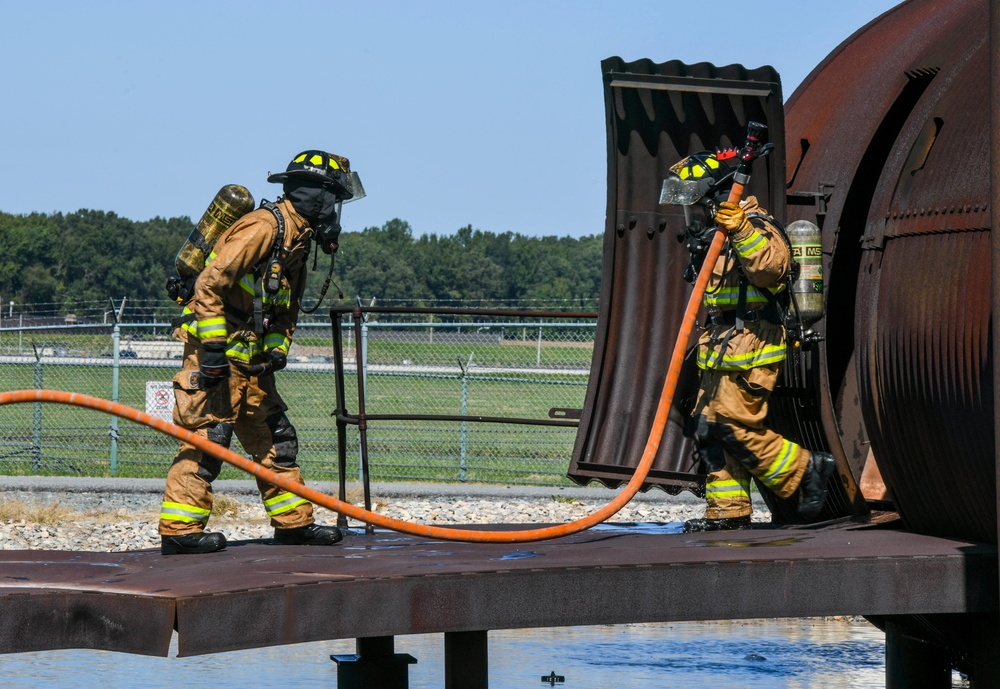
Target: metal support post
361 330
466 660
912 663
374 665
339 413
994 93
986 641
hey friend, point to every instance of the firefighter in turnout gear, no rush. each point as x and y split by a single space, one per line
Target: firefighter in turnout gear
237 329
741 351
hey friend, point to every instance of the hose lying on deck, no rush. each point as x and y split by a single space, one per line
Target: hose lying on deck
426 530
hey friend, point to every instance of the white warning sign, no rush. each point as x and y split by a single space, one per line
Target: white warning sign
160 399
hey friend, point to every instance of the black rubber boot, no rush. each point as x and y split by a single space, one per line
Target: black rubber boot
704 524
314 534
815 484
192 543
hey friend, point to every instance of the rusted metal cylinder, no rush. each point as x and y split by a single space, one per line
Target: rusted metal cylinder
901 168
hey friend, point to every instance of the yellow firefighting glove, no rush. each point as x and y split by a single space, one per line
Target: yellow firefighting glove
732 218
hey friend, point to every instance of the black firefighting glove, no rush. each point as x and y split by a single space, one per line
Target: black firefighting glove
214 364
274 360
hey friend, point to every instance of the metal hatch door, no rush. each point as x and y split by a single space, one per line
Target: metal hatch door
656 114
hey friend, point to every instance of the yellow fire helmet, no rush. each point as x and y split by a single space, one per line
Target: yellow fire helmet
328 169
695 177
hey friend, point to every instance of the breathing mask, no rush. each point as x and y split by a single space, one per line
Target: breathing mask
320 206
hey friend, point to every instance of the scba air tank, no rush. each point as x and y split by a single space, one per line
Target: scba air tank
807 290
231 203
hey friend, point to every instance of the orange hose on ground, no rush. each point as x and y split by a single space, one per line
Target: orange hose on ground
426 530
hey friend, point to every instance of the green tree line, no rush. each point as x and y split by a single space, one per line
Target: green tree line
89 256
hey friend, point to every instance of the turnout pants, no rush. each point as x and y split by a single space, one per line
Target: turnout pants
736 445
250 407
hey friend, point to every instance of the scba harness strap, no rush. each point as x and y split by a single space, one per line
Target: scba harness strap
270 280
777 310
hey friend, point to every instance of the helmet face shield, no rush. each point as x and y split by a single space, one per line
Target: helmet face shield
354 187
680 192
693 178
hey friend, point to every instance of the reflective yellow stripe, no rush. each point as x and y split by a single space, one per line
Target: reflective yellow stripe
190 326
212 327
751 245
246 284
730 489
282 298
777 472
769 354
730 296
176 512
276 341
242 351
283 503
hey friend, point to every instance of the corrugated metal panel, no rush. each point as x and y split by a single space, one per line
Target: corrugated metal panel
656 114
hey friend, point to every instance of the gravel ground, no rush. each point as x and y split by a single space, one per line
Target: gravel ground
119 515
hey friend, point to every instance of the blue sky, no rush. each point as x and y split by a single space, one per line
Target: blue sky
148 108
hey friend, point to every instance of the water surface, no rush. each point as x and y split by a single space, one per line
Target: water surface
778 653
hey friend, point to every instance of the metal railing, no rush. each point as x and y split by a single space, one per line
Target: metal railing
559 417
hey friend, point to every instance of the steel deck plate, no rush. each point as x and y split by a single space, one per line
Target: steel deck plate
256 594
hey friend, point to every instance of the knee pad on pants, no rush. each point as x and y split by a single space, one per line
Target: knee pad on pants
710 452
210 467
284 438
724 436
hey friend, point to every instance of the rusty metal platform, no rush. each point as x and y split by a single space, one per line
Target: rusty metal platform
256 594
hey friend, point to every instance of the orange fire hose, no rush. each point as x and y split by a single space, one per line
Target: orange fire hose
426 530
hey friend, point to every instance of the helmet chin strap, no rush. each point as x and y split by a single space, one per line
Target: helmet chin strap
327 235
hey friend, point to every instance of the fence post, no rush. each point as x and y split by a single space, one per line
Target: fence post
538 349
116 338
362 357
463 434
36 425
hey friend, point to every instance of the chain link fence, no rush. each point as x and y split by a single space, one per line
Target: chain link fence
524 368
